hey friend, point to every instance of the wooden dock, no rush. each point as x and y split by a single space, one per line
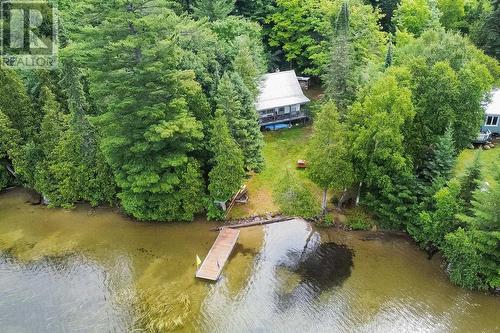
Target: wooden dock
212 266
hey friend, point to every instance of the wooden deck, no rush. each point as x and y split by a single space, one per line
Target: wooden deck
212 266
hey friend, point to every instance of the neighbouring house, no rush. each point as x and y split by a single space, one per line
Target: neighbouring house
280 99
492 114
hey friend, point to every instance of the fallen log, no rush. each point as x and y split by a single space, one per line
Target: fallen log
254 223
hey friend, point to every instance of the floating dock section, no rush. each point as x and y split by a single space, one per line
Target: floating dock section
212 266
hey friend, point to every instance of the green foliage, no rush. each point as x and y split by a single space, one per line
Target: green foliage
432 226
377 121
236 101
463 259
483 225
228 172
449 81
338 79
413 16
213 9
9 138
487 35
452 12
303 30
294 198
329 163
396 205
257 10
440 164
387 8
16 105
389 56
357 220
470 181
152 159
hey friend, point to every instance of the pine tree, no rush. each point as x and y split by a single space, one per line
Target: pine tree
213 9
329 163
227 172
150 134
338 78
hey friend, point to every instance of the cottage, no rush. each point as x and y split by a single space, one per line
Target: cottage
492 115
281 99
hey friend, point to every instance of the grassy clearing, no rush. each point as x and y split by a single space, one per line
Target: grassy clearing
281 151
489 159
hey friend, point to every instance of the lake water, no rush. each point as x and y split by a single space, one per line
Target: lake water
91 270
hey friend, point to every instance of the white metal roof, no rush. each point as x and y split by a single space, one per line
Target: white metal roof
279 89
494 106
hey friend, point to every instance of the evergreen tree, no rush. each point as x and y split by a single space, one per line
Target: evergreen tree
237 103
213 9
150 134
434 225
338 79
474 252
389 55
488 37
227 173
9 140
439 166
329 163
470 181
78 165
51 130
15 103
246 66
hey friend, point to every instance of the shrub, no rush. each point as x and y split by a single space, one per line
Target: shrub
294 199
358 220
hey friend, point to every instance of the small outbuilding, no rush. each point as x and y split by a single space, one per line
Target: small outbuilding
280 99
492 115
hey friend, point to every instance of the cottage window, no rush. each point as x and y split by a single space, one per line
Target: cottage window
492 121
294 108
281 110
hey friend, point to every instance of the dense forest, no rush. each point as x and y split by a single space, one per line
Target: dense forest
152 108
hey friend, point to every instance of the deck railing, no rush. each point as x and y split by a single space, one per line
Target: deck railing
282 117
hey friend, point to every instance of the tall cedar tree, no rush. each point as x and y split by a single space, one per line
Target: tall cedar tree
329 163
149 131
338 78
213 10
51 129
237 103
228 171
9 140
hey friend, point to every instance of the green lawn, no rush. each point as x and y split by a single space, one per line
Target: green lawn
281 151
489 159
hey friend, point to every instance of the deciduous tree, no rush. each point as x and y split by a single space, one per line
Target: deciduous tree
328 153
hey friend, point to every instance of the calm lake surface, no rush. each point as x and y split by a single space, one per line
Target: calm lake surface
96 271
